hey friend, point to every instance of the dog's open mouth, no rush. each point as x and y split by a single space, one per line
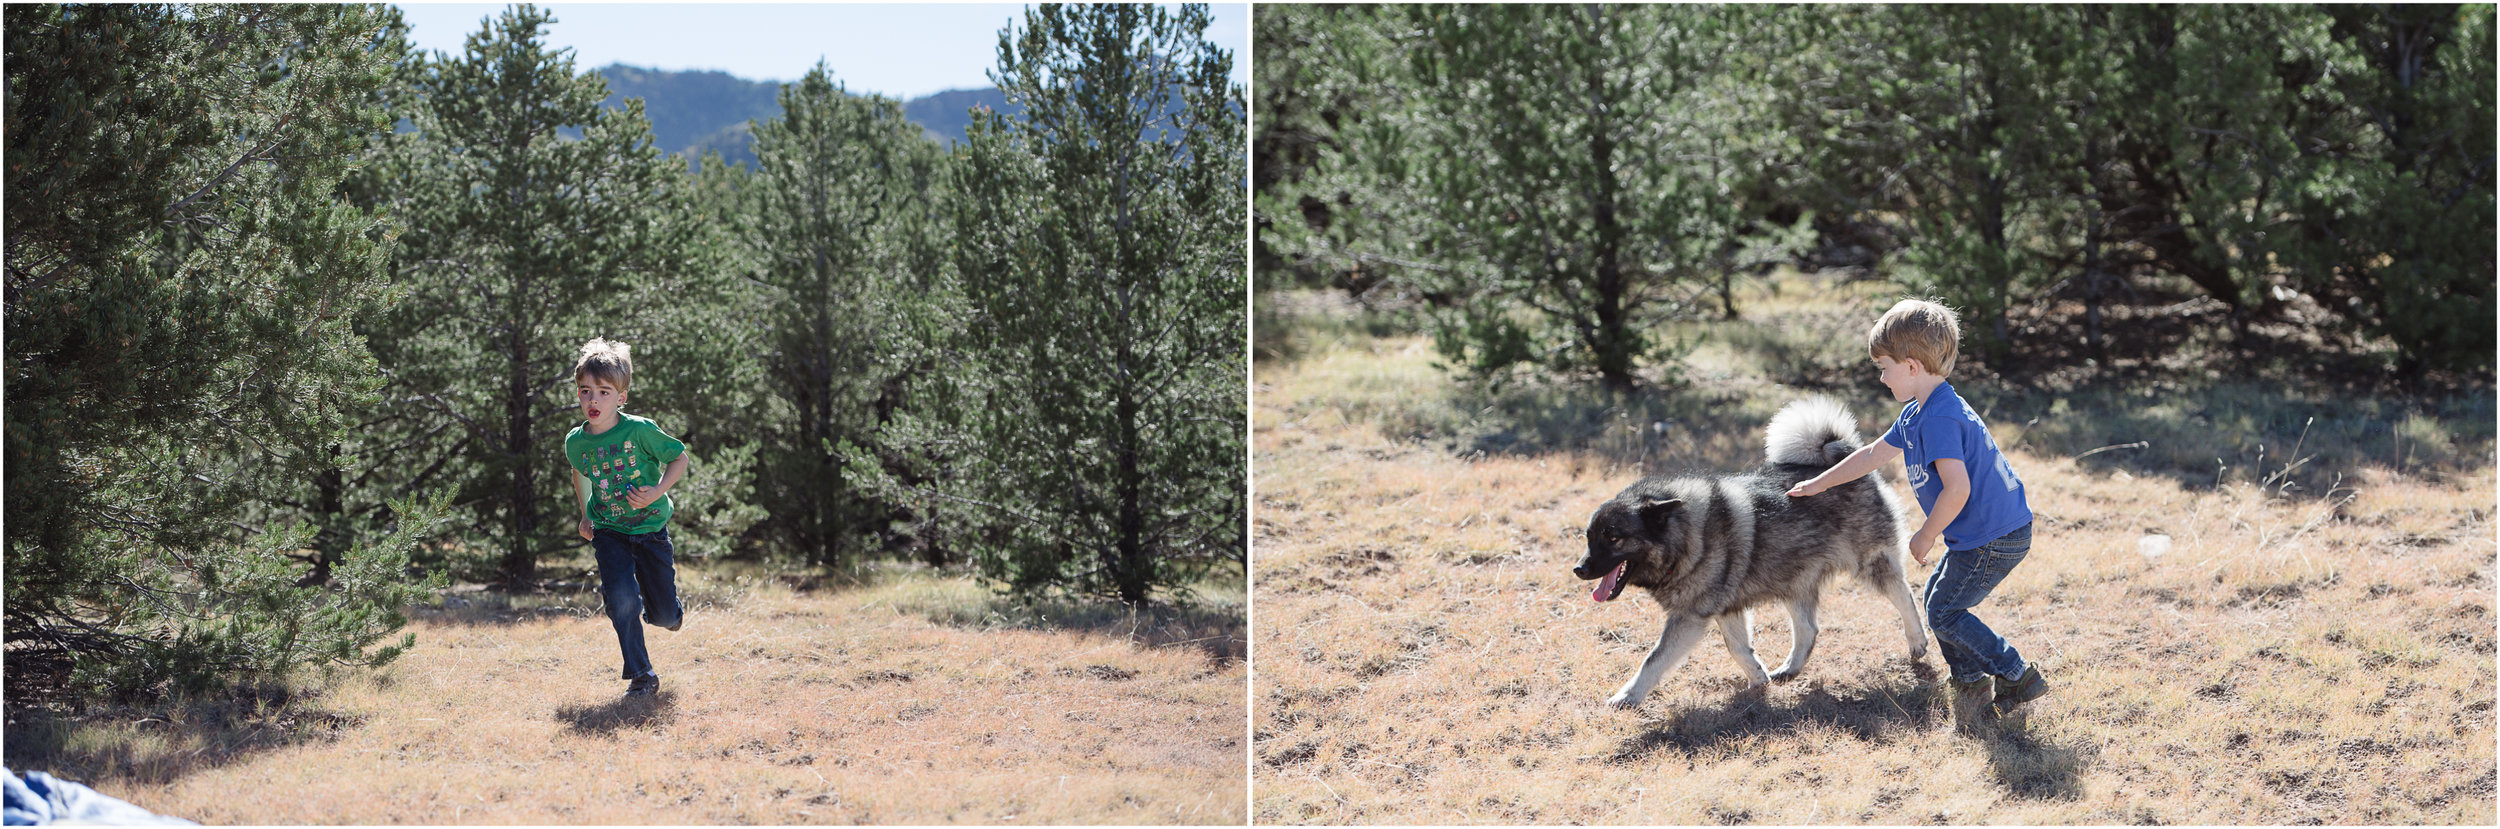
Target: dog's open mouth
1612 585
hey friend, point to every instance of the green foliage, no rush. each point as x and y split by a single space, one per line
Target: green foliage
839 226
181 283
2403 221
1556 178
2004 158
519 245
1334 195
1098 419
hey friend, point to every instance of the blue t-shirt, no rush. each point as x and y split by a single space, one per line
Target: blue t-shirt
1947 427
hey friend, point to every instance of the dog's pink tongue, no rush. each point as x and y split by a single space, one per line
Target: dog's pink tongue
1606 586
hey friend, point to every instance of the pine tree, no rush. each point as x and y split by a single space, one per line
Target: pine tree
181 281
1099 243
840 221
1572 176
522 241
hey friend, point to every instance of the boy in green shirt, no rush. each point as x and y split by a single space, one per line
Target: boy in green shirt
623 468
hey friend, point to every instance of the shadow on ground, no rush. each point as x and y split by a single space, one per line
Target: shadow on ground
1220 630
2030 768
2197 435
623 713
2178 397
2019 760
163 743
476 605
1874 713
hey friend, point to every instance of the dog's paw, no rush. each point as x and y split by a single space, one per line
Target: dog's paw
1786 674
1623 699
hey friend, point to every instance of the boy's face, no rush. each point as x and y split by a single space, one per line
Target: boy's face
1900 377
600 399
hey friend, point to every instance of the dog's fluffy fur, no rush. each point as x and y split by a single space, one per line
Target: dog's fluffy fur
1710 548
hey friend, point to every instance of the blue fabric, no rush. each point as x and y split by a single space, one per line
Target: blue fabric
1945 427
1964 578
41 799
637 573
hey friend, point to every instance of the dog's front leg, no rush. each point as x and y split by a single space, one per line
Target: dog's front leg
1674 643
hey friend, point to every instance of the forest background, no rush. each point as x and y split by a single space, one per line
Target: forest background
1553 185
2225 275
292 308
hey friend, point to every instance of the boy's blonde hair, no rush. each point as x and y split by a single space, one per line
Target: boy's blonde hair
607 360
1916 329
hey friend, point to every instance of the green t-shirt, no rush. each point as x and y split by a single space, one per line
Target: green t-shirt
633 453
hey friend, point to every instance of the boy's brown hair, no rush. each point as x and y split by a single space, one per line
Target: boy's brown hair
1916 329
607 360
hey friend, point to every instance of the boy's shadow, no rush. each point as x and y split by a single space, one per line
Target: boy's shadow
2031 768
623 713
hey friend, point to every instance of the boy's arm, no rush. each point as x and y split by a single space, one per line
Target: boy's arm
1954 481
581 503
1867 459
645 496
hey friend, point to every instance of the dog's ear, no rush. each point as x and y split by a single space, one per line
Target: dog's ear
1654 511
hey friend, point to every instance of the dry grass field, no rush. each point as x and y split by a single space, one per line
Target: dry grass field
2315 645
916 699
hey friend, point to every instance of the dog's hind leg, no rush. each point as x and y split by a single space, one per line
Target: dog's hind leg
1801 636
1737 629
1674 644
1886 578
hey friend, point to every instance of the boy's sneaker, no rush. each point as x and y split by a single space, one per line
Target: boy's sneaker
1970 703
643 686
2015 692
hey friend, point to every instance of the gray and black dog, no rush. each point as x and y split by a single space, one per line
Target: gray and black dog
1711 548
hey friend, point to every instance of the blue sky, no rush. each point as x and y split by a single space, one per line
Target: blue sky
903 50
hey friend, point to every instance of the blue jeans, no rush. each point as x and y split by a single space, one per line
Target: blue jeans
1962 580
637 573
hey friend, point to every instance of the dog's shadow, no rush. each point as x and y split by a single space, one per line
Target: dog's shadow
620 714
1871 712
1876 712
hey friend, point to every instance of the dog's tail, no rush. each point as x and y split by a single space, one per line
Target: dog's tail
1816 431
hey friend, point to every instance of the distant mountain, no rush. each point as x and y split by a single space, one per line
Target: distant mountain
944 116
698 111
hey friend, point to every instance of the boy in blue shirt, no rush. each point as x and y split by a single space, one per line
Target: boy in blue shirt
623 468
1974 503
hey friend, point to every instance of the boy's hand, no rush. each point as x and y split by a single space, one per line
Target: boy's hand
641 496
1808 488
585 529
1920 544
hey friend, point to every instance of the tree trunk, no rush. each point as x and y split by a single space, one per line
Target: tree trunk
520 561
1615 350
331 543
1135 573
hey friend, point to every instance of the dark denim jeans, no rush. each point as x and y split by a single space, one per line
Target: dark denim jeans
637 578
1962 580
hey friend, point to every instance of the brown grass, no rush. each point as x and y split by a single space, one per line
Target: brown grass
917 699
2317 653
